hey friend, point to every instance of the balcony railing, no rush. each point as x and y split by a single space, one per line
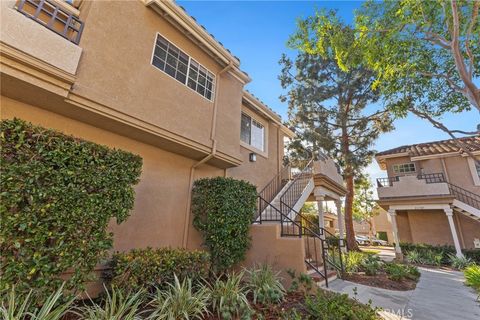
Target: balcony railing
53 17
432 177
386 182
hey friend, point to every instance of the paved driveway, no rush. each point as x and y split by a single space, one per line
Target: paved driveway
439 295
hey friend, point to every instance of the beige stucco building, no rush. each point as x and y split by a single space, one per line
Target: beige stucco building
432 192
145 77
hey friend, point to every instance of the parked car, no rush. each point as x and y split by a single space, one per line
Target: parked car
378 242
362 240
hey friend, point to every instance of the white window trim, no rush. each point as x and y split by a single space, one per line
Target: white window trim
402 164
264 123
214 87
473 171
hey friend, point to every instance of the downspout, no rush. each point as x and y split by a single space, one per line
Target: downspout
186 227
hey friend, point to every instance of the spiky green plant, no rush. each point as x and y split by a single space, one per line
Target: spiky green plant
229 298
265 284
459 262
20 306
414 256
472 276
117 305
180 301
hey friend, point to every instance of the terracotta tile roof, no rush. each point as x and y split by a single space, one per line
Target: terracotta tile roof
434 147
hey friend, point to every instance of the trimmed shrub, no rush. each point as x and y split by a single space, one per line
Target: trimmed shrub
399 272
223 210
147 268
58 194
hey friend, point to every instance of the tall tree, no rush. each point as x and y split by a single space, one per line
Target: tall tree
331 109
425 55
365 206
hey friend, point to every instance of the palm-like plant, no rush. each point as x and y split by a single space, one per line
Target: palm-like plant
265 284
180 301
117 305
229 298
18 306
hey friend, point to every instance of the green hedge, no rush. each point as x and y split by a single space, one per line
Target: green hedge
473 254
146 268
223 210
58 194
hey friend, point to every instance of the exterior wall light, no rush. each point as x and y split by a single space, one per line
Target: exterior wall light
253 157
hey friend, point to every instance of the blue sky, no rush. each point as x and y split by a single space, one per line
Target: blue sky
257 31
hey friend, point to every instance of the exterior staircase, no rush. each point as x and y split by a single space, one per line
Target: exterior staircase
280 202
465 202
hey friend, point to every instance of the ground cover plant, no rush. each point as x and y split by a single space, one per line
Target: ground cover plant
368 269
426 254
230 296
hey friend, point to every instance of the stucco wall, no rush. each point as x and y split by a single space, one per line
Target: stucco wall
281 253
161 196
431 227
265 168
116 71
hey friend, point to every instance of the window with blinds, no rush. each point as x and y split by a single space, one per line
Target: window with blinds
252 132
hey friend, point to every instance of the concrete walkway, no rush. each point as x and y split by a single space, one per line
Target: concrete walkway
439 295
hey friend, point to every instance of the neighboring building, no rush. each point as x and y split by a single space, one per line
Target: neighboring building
432 192
145 77
381 226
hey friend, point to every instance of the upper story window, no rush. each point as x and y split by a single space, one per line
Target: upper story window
176 63
252 132
404 168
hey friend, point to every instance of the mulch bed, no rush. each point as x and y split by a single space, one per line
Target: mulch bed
292 300
381 280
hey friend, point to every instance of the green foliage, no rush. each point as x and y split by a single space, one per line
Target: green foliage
301 282
365 206
117 305
223 210
146 268
229 298
20 305
354 260
413 256
399 272
333 306
428 254
265 285
409 44
472 277
180 301
371 265
58 194
459 262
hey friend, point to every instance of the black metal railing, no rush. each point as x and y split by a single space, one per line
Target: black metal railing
386 182
271 190
432 177
465 196
53 17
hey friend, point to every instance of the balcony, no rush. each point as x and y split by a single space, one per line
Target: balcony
57 16
433 184
32 36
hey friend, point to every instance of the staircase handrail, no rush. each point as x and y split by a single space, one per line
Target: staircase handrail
304 172
471 198
271 189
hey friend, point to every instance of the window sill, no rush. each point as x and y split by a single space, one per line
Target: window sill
253 149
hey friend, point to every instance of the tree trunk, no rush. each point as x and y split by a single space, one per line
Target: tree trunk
351 242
